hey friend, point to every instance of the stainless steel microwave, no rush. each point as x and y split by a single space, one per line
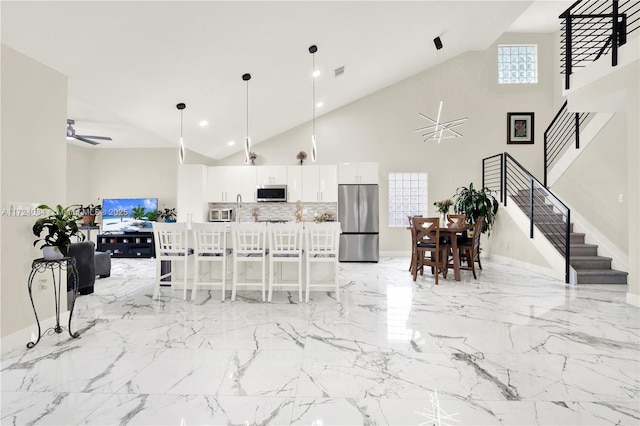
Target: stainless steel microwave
271 193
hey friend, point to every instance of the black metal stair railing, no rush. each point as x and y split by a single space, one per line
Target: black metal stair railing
592 28
563 130
545 211
492 168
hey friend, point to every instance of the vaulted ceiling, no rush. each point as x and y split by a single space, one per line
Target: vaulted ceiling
130 63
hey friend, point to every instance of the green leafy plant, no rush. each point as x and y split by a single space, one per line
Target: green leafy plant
58 227
475 203
168 214
152 215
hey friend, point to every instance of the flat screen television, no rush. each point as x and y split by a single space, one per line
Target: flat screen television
128 214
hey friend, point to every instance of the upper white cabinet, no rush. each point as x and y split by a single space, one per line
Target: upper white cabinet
271 175
224 183
294 183
248 178
191 198
320 183
353 173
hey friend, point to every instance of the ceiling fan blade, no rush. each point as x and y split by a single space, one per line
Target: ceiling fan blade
104 138
80 138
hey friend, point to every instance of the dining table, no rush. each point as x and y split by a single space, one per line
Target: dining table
451 231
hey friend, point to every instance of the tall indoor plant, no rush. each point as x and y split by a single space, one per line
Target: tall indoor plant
58 227
475 203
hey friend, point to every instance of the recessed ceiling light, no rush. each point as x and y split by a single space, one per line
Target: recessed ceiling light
231 143
203 123
316 73
319 105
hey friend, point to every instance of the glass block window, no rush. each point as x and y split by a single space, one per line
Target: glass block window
517 64
407 197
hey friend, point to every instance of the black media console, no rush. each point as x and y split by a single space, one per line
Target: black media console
133 244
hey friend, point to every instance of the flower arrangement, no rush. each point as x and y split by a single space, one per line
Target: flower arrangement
301 157
252 158
443 205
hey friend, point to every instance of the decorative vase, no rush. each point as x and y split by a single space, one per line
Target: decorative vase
169 221
443 218
51 253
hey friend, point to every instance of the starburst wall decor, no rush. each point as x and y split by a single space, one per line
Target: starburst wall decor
440 130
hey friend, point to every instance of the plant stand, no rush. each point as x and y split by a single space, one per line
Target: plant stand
64 264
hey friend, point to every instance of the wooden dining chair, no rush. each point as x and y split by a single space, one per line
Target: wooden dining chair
457 218
470 249
427 236
413 241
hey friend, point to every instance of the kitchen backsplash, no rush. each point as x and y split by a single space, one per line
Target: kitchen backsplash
279 211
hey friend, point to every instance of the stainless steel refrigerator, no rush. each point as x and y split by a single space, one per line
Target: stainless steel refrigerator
358 214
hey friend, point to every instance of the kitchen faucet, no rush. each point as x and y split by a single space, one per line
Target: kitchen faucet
238 205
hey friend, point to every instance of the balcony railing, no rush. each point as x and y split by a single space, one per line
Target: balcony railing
563 132
593 28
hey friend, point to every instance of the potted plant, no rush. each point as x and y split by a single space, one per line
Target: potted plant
59 226
475 203
89 213
169 215
301 156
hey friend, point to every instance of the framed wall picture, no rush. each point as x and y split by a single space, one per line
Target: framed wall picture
520 128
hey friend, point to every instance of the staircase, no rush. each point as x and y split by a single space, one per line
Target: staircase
583 258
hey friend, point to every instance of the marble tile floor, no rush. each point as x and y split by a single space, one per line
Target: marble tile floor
511 348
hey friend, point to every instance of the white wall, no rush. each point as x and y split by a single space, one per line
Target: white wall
593 183
97 173
380 127
34 169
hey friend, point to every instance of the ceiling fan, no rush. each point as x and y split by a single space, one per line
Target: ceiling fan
71 134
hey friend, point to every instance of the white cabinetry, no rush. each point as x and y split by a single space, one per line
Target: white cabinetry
351 173
320 183
271 175
192 192
294 183
248 178
224 183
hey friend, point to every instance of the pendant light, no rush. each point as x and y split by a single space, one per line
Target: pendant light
247 141
439 129
181 107
314 149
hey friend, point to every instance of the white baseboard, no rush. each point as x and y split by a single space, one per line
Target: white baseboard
547 272
633 299
405 253
20 338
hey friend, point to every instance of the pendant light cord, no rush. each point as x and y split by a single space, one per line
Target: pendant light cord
313 97
247 108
